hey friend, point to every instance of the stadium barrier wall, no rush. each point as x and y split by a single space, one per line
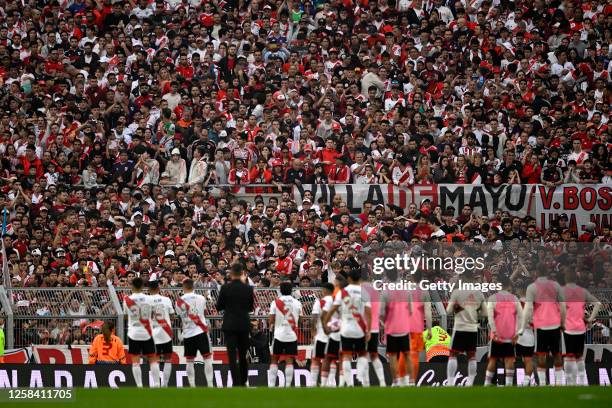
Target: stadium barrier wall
116 376
78 354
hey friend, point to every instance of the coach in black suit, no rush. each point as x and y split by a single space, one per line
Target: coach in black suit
236 300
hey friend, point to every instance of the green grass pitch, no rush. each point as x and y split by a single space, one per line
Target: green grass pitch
557 397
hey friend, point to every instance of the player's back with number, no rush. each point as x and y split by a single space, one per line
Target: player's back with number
287 312
162 325
466 305
139 309
353 302
191 307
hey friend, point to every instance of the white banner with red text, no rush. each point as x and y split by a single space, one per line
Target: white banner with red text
581 203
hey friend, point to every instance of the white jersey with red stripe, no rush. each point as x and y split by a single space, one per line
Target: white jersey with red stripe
353 303
190 308
138 308
297 253
286 311
162 325
472 303
317 310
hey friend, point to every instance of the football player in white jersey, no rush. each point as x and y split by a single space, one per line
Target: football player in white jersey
138 309
321 338
524 348
284 315
332 352
162 329
466 305
190 307
356 315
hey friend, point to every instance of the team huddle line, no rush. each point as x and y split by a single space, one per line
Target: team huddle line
549 320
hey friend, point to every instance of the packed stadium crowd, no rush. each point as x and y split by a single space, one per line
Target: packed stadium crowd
119 117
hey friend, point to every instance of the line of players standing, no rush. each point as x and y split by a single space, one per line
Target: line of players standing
348 315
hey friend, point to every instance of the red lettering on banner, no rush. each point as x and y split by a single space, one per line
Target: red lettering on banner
390 192
77 356
572 224
605 201
60 354
570 198
426 191
588 198
402 198
601 220
546 195
51 356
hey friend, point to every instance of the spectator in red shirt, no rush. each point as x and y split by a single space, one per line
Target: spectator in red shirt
339 173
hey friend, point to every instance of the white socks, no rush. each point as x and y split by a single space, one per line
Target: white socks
471 371
451 370
526 380
509 378
489 377
331 379
288 375
191 374
581 378
347 373
272 373
571 371
380 371
362 369
137 372
314 374
558 376
208 372
167 373
542 376
155 374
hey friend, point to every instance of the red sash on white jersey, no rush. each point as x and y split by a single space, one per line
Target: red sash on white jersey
280 305
145 322
194 317
347 301
405 177
166 326
294 253
368 230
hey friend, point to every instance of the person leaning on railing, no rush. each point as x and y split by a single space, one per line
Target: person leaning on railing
106 347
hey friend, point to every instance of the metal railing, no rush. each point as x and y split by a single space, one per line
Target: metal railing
73 316
6 312
59 315
597 334
263 298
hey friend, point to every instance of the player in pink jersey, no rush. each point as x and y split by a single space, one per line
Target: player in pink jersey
504 312
576 299
544 301
372 345
525 347
419 320
395 314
